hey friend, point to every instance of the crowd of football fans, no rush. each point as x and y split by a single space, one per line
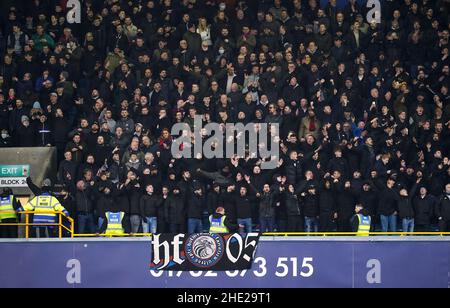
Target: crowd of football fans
363 109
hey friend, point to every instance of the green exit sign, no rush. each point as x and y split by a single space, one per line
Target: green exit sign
14 171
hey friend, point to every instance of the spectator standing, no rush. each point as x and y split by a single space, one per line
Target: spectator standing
195 205
132 192
423 205
244 211
327 208
387 207
443 210
84 199
150 204
295 222
405 207
266 209
310 205
175 214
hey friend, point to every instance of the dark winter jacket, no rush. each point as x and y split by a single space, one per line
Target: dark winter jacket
443 207
84 200
405 205
266 205
423 209
195 204
293 171
387 204
174 209
293 207
310 205
327 202
134 192
243 207
149 205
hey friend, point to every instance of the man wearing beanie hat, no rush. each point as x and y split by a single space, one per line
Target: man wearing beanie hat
174 211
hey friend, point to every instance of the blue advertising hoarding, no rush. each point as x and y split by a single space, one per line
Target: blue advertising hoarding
278 264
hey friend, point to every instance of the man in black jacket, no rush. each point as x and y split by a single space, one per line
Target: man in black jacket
328 209
443 210
61 129
106 192
213 199
368 198
405 207
310 205
293 168
228 201
122 200
387 207
163 224
195 203
116 168
26 135
345 202
244 211
85 208
174 212
67 170
132 188
339 163
149 205
68 202
423 206
266 209
294 215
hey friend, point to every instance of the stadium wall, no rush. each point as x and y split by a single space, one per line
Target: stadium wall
42 162
279 263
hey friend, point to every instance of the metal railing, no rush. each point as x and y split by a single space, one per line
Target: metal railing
60 225
357 234
286 234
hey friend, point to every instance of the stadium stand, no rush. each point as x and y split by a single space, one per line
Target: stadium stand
362 108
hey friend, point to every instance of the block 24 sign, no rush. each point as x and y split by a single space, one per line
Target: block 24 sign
14 175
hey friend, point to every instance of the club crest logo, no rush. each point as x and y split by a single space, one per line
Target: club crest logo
204 250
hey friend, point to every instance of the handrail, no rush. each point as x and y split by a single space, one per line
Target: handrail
62 227
27 223
294 234
352 233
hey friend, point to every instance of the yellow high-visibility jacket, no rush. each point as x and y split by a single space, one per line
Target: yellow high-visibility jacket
45 204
